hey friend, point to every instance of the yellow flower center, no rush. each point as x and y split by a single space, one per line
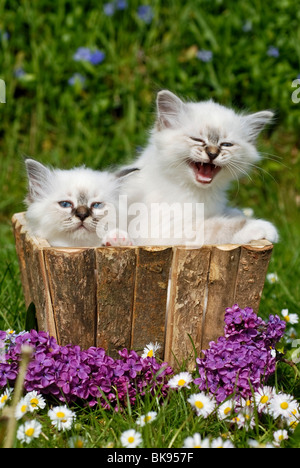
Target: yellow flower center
227 410
4 398
60 414
284 405
293 424
199 404
148 418
197 446
287 318
280 437
34 402
264 399
29 432
181 382
131 439
79 444
150 353
23 408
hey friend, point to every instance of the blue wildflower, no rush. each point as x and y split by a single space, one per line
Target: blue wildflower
145 13
121 4
77 78
97 57
109 9
273 52
204 55
82 53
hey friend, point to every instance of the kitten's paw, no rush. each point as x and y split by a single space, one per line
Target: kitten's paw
256 229
116 237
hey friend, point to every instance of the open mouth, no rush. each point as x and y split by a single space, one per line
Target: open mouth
204 172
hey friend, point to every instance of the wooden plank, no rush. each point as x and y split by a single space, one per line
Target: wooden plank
115 296
253 266
186 305
72 285
220 290
33 274
150 301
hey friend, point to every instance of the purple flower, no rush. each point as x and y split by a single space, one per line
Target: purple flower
204 55
145 13
70 373
241 360
273 52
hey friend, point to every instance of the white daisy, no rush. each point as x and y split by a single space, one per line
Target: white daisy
272 277
77 442
262 398
131 438
255 444
202 404
28 431
6 395
61 417
283 405
248 212
244 419
195 441
226 409
183 379
290 318
35 401
21 408
146 418
279 436
150 350
221 443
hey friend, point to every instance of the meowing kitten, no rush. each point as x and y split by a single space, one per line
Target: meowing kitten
72 208
195 151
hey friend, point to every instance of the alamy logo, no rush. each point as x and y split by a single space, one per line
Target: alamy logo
2 92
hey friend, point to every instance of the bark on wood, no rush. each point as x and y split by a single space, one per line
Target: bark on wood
115 268
220 291
72 285
33 274
150 297
116 297
253 267
186 305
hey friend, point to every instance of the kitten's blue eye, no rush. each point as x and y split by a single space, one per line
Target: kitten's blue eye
226 143
97 205
65 204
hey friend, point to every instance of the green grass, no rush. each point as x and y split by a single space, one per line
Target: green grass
104 123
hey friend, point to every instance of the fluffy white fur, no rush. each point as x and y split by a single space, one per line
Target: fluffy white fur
173 167
89 214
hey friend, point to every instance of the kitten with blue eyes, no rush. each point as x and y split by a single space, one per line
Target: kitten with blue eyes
73 208
195 151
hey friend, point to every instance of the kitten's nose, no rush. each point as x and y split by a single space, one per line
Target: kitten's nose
82 212
212 152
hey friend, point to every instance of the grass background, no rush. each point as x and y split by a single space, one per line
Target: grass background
106 121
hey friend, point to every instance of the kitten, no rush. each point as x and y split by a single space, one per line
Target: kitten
195 151
72 208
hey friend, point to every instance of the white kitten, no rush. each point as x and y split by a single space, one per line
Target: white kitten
195 151
72 208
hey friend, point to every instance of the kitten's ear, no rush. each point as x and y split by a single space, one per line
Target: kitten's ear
254 123
169 110
38 179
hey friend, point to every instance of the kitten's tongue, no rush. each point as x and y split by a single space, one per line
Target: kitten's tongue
205 173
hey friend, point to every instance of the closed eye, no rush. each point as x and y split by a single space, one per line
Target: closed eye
198 140
65 204
226 144
97 205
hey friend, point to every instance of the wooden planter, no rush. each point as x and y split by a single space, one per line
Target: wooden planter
116 297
